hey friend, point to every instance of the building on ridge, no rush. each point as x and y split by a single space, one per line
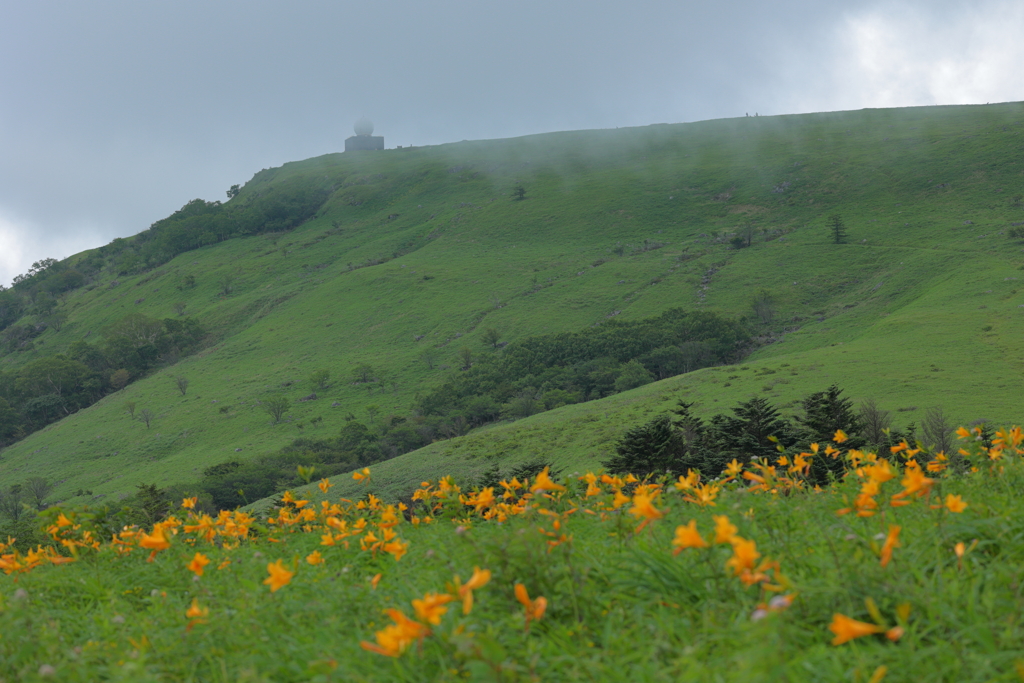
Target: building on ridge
364 138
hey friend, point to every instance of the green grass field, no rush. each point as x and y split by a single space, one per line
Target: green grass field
920 308
930 578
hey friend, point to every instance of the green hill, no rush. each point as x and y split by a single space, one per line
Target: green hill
424 250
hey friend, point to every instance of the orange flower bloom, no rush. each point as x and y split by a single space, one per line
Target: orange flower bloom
155 541
315 558
914 480
279 576
196 614
744 555
955 503
393 640
189 503
619 500
688 482
465 590
374 581
892 540
724 529
362 475
688 537
432 607
847 629
534 608
643 507
197 564
397 548
324 485
543 482
733 470
840 436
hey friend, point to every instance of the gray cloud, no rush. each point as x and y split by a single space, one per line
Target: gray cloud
114 114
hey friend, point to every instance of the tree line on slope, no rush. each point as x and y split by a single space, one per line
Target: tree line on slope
548 371
50 388
678 441
37 292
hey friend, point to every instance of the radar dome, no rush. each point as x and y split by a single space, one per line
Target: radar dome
364 126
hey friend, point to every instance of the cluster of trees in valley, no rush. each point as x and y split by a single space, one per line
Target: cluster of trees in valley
548 371
52 387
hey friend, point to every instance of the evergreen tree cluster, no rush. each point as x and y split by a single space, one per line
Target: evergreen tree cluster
680 441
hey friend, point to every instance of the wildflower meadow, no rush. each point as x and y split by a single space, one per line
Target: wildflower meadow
907 568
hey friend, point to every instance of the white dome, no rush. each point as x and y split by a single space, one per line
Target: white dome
364 126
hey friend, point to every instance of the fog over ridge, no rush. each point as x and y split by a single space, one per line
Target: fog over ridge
114 114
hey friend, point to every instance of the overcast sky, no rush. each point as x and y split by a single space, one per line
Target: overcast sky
114 114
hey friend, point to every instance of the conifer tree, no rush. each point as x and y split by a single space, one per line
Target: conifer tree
838 228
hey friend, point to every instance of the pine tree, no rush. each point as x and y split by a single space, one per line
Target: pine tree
824 413
745 436
838 228
650 447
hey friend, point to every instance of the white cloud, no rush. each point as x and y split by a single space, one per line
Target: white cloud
898 55
22 243
11 248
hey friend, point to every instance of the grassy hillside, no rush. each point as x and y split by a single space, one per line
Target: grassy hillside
592 579
424 248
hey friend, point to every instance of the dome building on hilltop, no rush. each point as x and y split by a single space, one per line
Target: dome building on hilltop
364 138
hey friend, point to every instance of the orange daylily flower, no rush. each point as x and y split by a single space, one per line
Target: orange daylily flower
688 482
189 503
643 507
840 436
892 540
688 537
733 469
279 576
543 482
432 607
955 503
465 590
155 542
534 608
196 614
744 555
846 629
724 529
324 485
703 495
198 563
393 640
315 558
362 475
